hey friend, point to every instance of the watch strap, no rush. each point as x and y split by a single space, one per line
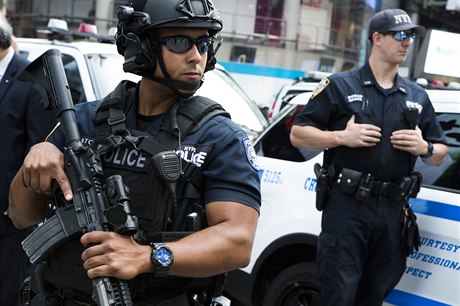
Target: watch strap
430 151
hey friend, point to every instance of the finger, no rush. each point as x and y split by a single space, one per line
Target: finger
371 139
92 252
99 271
98 237
96 265
372 127
36 182
374 133
370 142
92 238
64 183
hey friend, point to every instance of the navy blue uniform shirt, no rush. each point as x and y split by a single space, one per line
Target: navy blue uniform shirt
220 148
341 95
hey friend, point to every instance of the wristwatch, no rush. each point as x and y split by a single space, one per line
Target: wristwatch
162 258
430 151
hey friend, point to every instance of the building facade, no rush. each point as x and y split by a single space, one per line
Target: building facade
322 35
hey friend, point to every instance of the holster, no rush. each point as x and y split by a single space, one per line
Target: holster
417 179
323 185
410 231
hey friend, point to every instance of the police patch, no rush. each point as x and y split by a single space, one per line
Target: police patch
320 87
411 104
250 153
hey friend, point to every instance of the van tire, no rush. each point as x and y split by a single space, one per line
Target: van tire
296 285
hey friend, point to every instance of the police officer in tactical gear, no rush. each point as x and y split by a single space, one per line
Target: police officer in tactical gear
374 124
193 229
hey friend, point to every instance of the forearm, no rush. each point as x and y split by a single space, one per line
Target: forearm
26 207
439 155
211 251
314 138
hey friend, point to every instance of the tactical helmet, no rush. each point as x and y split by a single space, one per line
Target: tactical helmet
138 19
183 14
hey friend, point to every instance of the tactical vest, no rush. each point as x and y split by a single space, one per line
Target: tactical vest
131 153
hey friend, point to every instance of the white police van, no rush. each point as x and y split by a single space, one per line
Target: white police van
282 270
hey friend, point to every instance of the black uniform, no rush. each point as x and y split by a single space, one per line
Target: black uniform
360 254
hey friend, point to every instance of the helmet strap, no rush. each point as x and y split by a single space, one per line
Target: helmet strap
174 85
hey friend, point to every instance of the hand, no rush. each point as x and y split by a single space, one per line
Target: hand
410 141
43 163
360 135
114 255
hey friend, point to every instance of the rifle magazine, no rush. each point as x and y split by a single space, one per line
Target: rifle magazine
50 235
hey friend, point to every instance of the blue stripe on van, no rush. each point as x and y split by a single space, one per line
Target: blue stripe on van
436 209
234 67
397 297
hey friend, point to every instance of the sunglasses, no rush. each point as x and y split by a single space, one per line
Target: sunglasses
402 35
181 44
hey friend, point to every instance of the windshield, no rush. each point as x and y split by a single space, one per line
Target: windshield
106 72
220 87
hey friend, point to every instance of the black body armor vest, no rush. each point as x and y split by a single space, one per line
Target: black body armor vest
131 154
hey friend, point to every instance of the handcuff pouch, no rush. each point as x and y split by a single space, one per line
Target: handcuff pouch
348 180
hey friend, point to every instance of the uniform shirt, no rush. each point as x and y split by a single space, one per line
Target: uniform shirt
357 92
220 148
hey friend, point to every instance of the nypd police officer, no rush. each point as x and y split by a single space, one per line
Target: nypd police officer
372 124
216 199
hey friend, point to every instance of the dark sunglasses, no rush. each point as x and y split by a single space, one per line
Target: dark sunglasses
181 44
402 35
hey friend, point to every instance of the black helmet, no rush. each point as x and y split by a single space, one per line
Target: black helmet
183 14
136 43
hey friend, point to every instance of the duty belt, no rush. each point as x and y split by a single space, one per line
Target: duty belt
383 189
364 185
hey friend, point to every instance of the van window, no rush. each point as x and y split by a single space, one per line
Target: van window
276 143
72 74
447 175
73 78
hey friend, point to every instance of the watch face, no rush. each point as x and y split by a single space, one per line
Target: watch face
163 256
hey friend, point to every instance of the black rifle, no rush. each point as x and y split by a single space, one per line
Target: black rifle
95 206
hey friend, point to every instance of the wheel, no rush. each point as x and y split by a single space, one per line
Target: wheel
297 285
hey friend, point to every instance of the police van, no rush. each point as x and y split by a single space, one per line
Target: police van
283 271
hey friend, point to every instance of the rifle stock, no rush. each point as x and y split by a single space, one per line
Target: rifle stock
91 209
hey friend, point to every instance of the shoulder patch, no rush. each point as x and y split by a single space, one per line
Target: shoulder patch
250 153
320 87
